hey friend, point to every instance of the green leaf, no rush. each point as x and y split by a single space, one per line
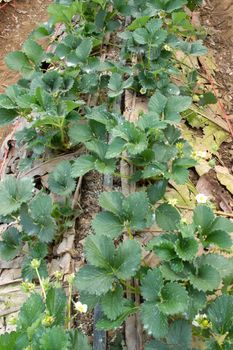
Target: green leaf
13 193
29 274
207 99
220 238
107 224
180 334
223 264
106 166
157 103
179 174
136 210
113 303
163 246
197 48
206 279
174 299
107 324
98 147
54 338
82 165
220 313
128 259
167 217
115 148
197 301
112 201
94 280
33 51
78 340
39 222
45 229
172 5
192 4
79 133
52 81
116 85
41 206
169 274
175 105
154 321
99 250
8 340
62 50
10 244
18 61
6 102
138 22
151 284
60 180
90 299
156 191
141 36
56 305
7 115
186 248
32 310
63 13
223 224
203 216
84 49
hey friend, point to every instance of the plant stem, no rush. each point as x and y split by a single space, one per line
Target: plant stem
69 307
41 284
128 286
121 176
130 233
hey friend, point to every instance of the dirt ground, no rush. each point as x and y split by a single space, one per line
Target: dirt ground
217 18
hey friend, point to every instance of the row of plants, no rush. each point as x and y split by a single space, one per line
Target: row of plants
188 294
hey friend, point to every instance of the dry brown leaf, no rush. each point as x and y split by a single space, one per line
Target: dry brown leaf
224 177
66 245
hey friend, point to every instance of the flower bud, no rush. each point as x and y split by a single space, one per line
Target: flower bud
47 320
35 264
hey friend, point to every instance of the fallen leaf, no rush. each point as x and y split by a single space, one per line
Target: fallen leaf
205 186
224 177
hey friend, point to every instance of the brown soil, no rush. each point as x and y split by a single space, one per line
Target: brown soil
16 23
217 18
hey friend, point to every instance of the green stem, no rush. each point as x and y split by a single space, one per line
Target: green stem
41 284
128 286
130 233
61 127
69 307
122 176
149 54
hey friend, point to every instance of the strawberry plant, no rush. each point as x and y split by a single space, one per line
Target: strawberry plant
70 97
176 287
43 318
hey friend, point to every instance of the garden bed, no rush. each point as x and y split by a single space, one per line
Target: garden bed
114 112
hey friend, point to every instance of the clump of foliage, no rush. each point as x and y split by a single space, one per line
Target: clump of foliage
43 321
179 295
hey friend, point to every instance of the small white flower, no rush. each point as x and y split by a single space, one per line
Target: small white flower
167 47
201 198
202 154
195 323
81 307
201 321
172 201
